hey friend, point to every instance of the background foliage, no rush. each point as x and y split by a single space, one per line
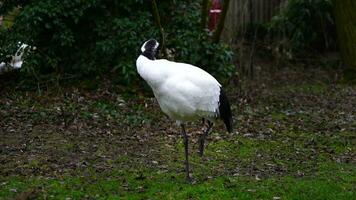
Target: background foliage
93 37
301 28
305 26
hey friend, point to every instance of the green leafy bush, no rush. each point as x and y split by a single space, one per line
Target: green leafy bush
192 45
305 25
91 37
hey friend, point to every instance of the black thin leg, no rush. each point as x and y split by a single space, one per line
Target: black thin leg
185 141
203 137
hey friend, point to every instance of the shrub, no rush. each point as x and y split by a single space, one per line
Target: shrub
193 45
91 37
306 26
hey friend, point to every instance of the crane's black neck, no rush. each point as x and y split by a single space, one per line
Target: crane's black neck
150 54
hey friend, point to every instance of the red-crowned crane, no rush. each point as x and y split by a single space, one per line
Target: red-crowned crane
184 93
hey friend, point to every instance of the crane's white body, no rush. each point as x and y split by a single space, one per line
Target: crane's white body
184 92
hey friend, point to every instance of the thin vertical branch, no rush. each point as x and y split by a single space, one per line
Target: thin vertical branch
220 26
204 14
251 22
158 22
252 55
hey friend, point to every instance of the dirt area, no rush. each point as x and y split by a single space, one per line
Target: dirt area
284 124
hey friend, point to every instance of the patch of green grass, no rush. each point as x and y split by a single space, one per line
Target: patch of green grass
278 116
331 182
313 88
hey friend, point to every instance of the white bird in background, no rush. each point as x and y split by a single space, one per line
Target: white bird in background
15 61
184 92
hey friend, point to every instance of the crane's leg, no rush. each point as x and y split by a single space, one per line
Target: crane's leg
185 141
203 137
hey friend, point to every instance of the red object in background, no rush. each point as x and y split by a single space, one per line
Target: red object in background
214 13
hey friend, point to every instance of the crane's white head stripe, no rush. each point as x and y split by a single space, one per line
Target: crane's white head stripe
143 47
150 44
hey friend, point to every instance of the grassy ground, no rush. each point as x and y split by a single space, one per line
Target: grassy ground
294 138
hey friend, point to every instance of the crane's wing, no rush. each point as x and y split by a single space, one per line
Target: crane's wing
189 90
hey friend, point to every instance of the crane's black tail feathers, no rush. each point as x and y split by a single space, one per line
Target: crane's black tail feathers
225 110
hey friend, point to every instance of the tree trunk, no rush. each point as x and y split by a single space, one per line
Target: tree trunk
345 15
220 26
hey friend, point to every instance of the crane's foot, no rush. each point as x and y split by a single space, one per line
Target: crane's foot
186 170
201 142
202 138
188 179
